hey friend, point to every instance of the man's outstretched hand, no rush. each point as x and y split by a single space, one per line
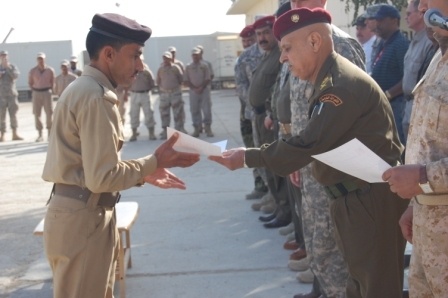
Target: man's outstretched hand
232 159
164 179
167 157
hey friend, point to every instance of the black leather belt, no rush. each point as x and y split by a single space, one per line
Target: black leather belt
342 189
259 110
143 91
41 89
107 199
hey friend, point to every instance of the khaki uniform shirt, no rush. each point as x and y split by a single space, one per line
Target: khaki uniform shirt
169 77
62 81
264 78
41 79
197 73
346 103
144 80
428 132
86 136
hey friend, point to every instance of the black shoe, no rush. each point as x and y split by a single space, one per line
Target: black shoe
267 218
276 223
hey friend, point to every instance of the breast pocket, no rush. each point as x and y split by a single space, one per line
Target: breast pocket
437 114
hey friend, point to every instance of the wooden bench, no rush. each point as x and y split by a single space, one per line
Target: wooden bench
127 213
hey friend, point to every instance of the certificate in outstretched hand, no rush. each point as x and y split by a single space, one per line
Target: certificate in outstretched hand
187 143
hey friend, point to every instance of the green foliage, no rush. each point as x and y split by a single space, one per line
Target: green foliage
356 5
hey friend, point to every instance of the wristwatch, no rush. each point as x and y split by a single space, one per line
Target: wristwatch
424 183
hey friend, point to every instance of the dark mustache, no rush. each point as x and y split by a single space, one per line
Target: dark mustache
263 41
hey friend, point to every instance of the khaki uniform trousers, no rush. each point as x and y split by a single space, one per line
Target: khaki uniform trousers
42 99
370 239
174 101
201 107
81 245
143 101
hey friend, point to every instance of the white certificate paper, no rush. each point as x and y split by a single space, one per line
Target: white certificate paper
355 159
187 143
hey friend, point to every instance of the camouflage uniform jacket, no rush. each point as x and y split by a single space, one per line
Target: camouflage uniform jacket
8 81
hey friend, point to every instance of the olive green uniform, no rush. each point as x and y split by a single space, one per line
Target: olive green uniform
347 104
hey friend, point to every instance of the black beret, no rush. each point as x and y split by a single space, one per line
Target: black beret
299 18
120 27
285 7
263 22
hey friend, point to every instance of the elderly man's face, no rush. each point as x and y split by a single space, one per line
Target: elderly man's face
298 53
308 3
266 38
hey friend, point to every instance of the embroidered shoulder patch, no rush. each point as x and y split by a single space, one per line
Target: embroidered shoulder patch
331 98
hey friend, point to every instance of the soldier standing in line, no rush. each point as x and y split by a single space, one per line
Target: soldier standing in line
73 68
141 98
209 64
169 80
123 98
64 79
179 63
41 82
8 96
197 78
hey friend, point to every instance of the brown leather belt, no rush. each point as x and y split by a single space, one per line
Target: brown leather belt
141 91
107 199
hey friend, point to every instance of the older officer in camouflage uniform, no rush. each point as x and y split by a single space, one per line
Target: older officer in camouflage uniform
424 178
346 103
83 161
141 98
169 80
8 96
197 78
326 261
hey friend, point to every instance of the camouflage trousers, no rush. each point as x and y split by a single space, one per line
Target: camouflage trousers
326 261
174 101
428 275
10 104
141 101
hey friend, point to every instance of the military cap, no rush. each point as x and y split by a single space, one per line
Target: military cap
263 22
201 48
299 18
372 10
41 55
167 55
73 59
64 62
248 31
387 10
120 27
3 53
285 7
360 20
196 50
171 49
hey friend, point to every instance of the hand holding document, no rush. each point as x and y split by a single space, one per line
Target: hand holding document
187 143
355 159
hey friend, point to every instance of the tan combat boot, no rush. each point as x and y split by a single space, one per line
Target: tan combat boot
134 135
40 138
152 136
196 132
2 136
163 135
15 136
208 131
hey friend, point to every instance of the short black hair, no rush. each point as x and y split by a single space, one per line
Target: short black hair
95 42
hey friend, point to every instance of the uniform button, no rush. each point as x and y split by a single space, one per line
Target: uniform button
80 196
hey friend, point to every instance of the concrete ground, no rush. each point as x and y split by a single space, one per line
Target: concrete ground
202 242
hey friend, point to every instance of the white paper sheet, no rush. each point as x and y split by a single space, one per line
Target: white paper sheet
355 159
187 143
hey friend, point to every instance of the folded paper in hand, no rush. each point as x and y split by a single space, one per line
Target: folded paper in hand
187 143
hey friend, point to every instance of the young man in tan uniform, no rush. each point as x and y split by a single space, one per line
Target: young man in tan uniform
169 80
64 79
41 81
80 234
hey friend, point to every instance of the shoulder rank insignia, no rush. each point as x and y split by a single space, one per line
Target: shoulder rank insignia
331 98
326 82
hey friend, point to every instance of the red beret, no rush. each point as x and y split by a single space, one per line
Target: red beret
265 21
299 18
120 27
248 31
